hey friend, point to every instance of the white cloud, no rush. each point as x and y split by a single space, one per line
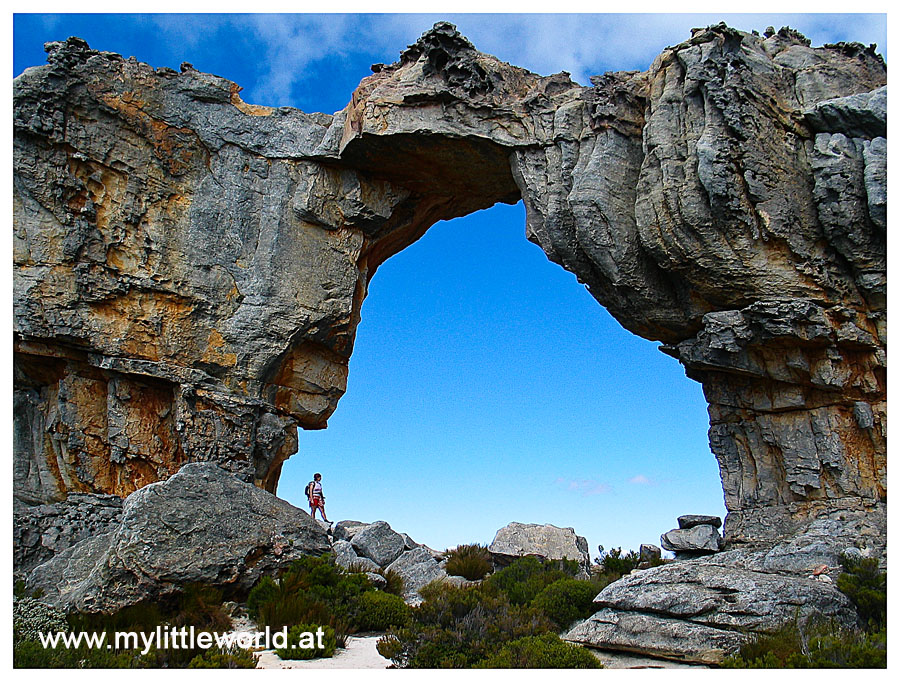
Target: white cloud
582 44
586 487
640 479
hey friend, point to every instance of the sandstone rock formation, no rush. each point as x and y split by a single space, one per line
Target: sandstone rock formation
545 541
201 525
696 534
702 609
189 269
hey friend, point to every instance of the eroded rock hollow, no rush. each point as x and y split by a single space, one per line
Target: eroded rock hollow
189 268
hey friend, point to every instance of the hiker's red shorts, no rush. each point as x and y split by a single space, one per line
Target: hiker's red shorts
317 502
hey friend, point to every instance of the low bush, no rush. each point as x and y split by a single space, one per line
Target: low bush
457 627
866 587
543 651
232 657
524 579
616 563
472 562
820 645
303 640
379 611
567 600
31 654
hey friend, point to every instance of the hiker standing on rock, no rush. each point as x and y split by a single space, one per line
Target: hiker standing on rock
316 498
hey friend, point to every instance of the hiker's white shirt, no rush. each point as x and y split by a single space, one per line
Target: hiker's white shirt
317 489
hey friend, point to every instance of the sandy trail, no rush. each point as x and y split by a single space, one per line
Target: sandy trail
360 653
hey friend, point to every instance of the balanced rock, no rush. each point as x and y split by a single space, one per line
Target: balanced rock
378 542
202 525
702 538
691 520
544 541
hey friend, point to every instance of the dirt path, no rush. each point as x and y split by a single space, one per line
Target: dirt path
360 653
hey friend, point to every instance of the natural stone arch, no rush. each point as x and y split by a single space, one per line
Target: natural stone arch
190 269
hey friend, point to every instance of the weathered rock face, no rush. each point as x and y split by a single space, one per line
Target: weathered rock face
41 531
703 609
189 269
545 541
699 538
201 525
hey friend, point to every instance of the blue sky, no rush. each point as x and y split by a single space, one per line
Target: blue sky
487 385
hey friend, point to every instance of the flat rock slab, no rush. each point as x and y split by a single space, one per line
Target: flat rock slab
699 611
691 520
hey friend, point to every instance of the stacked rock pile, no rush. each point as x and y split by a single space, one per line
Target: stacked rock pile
696 535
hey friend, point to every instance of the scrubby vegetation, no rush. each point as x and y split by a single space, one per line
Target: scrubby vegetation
502 622
472 562
316 590
197 605
232 657
303 644
544 651
826 644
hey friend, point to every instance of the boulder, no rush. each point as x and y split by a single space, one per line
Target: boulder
418 568
378 542
345 530
201 525
378 580
691 520
543 541
696 539
650 553
703 609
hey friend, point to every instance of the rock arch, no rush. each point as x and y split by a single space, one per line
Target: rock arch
189 269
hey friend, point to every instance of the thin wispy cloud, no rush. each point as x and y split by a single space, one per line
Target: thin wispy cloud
586 486
640 479
284 46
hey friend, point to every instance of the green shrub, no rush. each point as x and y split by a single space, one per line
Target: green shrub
544 651
821 645
232 657
307 634
379 611
265 590
525 577
30 654
456 627
472 562
567 600
866 587
395 582
615 563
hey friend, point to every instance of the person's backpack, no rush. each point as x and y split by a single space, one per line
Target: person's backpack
309 489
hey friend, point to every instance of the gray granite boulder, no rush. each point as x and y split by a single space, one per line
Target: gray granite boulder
418 568
545 541
378 542
696 539
201 525
703 609
345 530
